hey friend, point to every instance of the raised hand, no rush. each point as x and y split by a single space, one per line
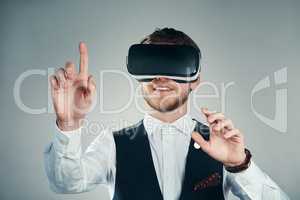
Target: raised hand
72 92
226 143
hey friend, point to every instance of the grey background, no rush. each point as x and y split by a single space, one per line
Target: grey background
242 41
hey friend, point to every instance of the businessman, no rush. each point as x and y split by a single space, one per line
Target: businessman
167 155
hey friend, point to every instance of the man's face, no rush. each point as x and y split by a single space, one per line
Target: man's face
164 95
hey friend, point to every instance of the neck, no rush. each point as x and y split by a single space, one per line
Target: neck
171 116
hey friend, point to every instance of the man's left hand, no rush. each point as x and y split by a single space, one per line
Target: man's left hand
226 143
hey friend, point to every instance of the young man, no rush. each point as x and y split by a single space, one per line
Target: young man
161 161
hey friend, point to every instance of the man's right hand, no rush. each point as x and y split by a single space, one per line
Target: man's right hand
72 92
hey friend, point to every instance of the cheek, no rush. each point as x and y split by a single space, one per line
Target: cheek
147 88
183 89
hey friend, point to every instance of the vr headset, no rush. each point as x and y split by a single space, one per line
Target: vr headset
177 62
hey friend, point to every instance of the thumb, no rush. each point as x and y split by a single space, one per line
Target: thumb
201 141
53 82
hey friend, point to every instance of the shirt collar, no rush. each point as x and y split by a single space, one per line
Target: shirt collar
184 124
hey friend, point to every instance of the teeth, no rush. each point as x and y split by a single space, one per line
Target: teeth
162 88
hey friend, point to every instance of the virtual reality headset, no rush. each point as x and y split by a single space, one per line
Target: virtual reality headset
146 62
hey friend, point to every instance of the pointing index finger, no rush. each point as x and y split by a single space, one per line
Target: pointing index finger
83 64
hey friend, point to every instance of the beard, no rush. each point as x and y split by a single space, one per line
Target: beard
167 103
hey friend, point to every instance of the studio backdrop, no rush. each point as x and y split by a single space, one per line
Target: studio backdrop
249 71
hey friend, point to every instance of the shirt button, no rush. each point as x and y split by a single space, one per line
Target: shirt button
196 145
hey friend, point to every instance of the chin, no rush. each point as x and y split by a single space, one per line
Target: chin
163 107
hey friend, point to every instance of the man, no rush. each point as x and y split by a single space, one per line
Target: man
157 158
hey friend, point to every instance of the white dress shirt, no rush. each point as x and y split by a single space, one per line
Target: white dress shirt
69 170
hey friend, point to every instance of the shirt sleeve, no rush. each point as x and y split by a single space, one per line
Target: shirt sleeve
252 183
69 170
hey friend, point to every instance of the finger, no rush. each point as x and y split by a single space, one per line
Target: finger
232 133
215 117
70 70
216 126
91 84
53 82
228 124
222 124
201 141
60 76
83 64
215 129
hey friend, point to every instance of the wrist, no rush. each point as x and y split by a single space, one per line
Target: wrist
241 166
236 163
69 125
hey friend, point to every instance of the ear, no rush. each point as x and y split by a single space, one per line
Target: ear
195 84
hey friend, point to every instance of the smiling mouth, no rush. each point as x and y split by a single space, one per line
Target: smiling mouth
162 89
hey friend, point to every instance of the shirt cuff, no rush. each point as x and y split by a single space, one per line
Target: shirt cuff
254 181
67 142
252 173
